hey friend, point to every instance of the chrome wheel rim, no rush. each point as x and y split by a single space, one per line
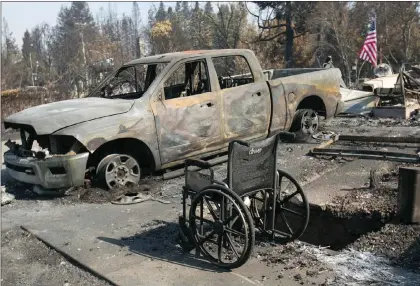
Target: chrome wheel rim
121 170
310 122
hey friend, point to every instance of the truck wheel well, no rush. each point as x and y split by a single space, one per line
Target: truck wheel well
315 103
129 146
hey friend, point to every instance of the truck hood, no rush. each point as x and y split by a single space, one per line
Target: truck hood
48 118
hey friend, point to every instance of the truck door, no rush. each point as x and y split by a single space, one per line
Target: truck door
187 115
246 104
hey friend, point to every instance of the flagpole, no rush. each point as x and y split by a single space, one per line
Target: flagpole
369 51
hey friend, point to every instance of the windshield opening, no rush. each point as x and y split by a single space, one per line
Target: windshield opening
128 82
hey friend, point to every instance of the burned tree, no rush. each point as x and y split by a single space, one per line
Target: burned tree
283 22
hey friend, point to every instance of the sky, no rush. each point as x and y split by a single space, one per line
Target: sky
26 15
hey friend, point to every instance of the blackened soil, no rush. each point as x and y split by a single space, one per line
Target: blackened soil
399 243
85 194
380 203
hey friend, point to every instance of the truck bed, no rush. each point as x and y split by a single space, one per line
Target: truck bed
279 73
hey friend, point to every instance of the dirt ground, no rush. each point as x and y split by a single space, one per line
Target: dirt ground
26 261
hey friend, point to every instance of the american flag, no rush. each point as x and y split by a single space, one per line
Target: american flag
369 49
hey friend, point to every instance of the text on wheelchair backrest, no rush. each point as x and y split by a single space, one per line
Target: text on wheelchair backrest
255 151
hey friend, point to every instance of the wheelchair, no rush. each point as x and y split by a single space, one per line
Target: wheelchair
256 198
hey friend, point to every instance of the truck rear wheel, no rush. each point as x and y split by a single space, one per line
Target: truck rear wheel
305 123
117 170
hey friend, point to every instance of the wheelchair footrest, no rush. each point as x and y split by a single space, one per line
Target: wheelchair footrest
185 238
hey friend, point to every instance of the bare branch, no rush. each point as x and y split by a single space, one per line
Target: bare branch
268 19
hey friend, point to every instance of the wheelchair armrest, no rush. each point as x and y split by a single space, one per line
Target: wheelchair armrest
241 142
198 163
286 136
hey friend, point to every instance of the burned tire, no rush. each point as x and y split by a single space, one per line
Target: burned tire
118 170
305 123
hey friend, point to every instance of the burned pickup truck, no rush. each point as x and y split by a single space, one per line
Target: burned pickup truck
154 112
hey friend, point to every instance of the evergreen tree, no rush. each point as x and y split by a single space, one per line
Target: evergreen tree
75 28
161 13
178 7
26 47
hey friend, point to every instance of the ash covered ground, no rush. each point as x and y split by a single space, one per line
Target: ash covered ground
26 260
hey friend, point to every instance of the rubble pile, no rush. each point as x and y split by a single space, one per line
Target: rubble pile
365 121
399 243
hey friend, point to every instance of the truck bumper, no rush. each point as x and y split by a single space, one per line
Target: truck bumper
51 173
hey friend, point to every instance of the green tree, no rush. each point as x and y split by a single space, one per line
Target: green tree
75 29
196 28
161 13
27 50
26 46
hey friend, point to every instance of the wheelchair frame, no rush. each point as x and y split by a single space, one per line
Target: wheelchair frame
202 188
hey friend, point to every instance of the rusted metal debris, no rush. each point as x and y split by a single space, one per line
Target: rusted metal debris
397 95
368 154
387 139
402 100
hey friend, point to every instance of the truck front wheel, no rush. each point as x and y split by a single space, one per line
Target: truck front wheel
116 170
305 123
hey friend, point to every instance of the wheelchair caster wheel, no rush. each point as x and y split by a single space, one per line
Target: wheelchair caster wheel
186 245
184 237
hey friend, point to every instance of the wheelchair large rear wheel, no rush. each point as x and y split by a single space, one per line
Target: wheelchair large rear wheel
222 227
291 209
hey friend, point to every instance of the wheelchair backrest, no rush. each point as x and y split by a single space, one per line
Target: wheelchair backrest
195 180
252 168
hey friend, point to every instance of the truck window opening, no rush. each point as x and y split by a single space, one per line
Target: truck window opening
188 79
129 82
232 71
